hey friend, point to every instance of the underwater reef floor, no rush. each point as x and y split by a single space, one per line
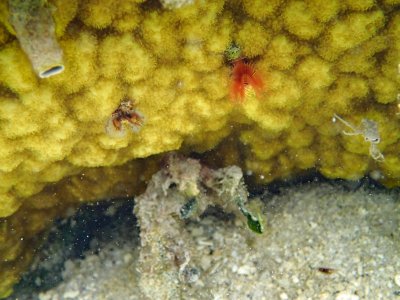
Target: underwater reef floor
321 241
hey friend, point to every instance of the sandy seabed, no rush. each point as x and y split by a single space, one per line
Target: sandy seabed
321 241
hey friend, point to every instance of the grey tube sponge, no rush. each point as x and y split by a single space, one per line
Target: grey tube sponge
35 29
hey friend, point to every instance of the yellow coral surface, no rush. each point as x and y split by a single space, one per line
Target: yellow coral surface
316 57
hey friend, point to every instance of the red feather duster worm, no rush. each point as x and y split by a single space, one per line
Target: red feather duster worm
244 74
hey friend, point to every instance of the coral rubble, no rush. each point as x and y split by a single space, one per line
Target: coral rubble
316 58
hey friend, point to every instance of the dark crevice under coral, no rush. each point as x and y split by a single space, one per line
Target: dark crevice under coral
88 229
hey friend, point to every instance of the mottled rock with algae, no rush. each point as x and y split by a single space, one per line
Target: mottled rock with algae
177 193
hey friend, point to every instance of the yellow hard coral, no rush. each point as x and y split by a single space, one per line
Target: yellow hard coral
300 21
198 59
4 15
63 13
315 73
304 158
15 71
80 54
95 13
9 205
253 38
104 97
9 160
359 4
283 92
362 59
260 9
218 42
4 36
12 109
391 166
350 32
386 89
112 48
121 15
270 120
301 138
350 166
216 86
27 187
87 154
349 91
54 144
160 36
391 2
316 59
281 53
323 10
129 15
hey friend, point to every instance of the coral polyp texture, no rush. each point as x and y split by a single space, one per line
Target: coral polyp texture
316 59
